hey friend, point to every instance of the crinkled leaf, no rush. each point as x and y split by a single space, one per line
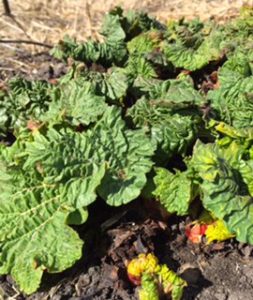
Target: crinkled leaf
139 66
65 157
172 283
111 27
36 202
105 53
224 187
61 174
38 239
145 43
144 263
233 133
113 85
173 133
174 191
233 101
238 32
75 103
191 45
173 93
127 154
138 22
132 22
145 59
25 100
149 288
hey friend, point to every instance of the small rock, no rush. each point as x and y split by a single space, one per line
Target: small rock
190 273
246 251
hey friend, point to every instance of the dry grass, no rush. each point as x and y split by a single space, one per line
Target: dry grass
47 21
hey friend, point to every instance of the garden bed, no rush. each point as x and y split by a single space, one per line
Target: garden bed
138 143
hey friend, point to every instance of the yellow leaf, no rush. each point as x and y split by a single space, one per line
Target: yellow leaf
217 231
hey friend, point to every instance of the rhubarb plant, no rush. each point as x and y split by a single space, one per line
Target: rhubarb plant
47 176
131 117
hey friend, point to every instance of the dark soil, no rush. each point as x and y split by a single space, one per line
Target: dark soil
41 66
221 271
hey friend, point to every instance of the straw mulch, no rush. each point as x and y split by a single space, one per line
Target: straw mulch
47 21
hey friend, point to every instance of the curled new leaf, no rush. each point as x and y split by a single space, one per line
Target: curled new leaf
156 280
206 225
172 283
142 264
149 288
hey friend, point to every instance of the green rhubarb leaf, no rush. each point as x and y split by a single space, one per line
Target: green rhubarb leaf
66 156
75 104
78 216
233 101
239 30
138 65
169 124
133 23
117 28
34 236
191 45
144 43
175 94
164 97
106 53
226 188
127 154
113 85
174 191
42 187
46 183
145 59
25 100
111 27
